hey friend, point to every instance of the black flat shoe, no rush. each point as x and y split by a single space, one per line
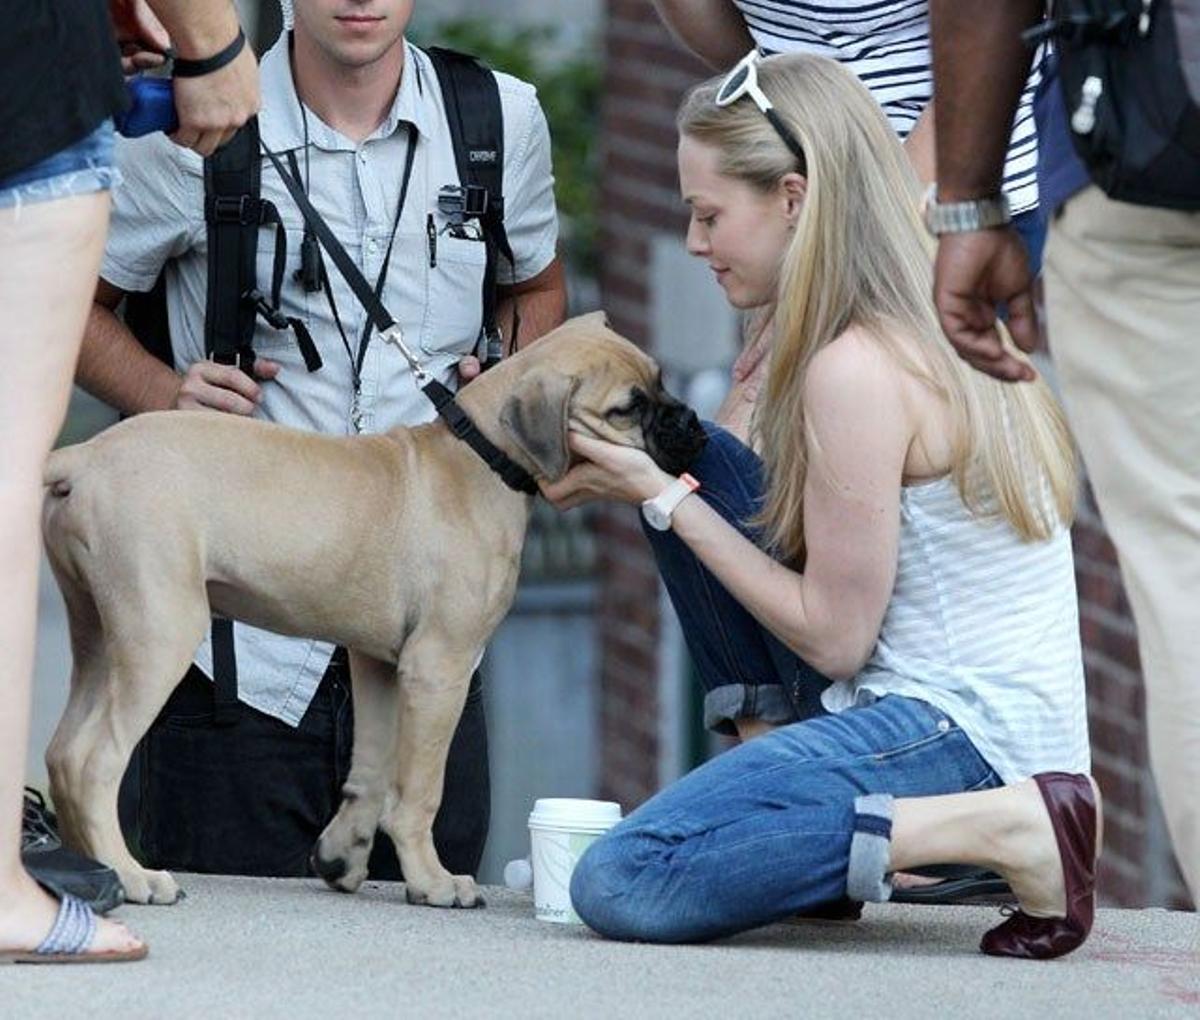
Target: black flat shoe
958 885
64 872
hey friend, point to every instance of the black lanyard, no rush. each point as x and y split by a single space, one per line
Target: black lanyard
513 475
354 280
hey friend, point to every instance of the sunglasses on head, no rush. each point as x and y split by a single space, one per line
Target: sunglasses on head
742 80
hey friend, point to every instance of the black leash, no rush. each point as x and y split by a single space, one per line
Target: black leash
513 475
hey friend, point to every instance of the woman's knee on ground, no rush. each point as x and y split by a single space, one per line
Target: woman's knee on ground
619 886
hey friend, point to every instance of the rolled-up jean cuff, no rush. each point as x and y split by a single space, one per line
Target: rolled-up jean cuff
766 702
868 878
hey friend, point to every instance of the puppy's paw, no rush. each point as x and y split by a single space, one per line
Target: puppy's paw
447 891
156 887
337 872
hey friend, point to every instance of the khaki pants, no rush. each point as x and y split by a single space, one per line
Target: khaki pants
1123 303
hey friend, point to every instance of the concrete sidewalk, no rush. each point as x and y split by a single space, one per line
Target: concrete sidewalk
261 949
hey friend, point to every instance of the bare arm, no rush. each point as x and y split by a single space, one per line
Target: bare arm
211 108
115 367
920 146
542 305
120 371
712 29
980 68
830 615
541 301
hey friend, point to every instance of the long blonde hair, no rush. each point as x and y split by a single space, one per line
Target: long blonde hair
860 256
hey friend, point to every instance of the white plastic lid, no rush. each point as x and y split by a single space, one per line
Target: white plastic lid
572 813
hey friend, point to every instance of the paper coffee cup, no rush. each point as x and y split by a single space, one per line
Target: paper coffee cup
560 830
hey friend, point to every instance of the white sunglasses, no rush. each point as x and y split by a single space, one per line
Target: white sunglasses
742 80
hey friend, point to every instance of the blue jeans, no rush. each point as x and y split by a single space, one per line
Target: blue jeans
789 820
745 670
784 822
79 169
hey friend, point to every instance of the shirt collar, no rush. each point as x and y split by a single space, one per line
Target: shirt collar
282 128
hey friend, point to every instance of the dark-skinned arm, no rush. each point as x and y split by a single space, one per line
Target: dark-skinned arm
712 29
980 67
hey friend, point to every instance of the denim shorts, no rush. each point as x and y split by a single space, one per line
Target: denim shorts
79 169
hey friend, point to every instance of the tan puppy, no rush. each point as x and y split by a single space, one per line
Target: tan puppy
404 547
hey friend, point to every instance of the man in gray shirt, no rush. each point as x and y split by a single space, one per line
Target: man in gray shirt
348 94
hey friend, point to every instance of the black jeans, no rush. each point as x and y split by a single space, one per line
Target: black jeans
251 798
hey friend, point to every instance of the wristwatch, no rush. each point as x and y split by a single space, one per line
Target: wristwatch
961 217
658 510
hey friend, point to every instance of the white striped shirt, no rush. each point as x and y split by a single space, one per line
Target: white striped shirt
985 627
886 43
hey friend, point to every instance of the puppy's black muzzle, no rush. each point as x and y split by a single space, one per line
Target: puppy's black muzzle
674 435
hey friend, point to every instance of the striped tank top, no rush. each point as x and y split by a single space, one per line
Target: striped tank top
985 627
886 43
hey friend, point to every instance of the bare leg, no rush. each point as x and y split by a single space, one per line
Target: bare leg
344 848
1007 830
51 253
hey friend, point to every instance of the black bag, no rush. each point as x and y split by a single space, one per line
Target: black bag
1130 72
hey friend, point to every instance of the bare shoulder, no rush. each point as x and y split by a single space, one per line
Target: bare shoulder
854 371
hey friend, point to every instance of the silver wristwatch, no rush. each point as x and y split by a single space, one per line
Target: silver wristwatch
961 217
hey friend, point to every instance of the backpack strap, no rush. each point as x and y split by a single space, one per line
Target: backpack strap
233 212
472 100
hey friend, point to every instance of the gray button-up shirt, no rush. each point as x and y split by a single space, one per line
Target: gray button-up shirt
158 220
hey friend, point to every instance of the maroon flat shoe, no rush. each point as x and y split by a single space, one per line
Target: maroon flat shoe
1075 816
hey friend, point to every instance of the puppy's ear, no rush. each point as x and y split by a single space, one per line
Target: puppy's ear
535 417
597 318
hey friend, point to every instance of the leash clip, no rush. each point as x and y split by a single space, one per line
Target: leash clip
395 335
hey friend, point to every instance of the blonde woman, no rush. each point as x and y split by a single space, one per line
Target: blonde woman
886 595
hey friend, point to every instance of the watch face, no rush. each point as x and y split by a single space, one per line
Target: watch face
655 516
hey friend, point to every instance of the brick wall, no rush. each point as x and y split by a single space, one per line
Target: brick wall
646 76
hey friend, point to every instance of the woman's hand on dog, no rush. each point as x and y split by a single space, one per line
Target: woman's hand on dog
607 471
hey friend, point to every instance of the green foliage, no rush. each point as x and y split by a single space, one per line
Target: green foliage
568 87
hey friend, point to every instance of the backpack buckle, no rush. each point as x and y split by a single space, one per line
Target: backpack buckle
459 204
240 209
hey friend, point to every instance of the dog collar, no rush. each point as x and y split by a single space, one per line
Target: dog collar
459 422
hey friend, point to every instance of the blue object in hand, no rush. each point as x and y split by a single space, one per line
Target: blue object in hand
151 107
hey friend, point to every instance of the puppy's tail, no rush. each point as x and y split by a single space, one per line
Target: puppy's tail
62 468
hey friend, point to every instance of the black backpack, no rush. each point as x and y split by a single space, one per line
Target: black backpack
1130 73
235 212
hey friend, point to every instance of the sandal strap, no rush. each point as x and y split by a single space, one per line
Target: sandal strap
74 926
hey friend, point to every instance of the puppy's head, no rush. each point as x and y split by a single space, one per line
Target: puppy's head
585 378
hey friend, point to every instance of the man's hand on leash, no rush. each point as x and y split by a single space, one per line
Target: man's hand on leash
209 386
607 471
976 271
